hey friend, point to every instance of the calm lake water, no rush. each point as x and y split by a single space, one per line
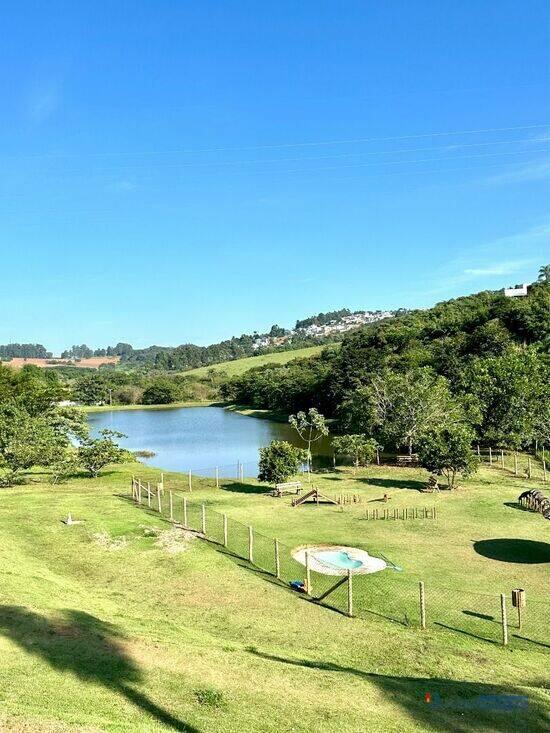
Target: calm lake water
197 438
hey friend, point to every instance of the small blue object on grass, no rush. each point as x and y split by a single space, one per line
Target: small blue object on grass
297 585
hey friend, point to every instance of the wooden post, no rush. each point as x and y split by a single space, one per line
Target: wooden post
139 492
377 455
217 477
277 559
190 480
162 481
225 530
350 593
516 462
158 499
185 512
422 605
203 519
503 617
250 544
544 470
478 451
490 456
149 494
502 458
242 473
529 467
308 575
171 507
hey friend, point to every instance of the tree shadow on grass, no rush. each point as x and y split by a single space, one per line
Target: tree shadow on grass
394 483
514 550
88 647
454 705
239 488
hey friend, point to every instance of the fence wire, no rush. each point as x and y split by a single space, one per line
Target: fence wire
389 596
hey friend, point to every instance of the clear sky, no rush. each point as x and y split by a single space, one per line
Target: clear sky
180 171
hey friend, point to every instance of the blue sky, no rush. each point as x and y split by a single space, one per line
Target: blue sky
177 172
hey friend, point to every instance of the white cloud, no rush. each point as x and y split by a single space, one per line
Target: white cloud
43 101
502 268
534 171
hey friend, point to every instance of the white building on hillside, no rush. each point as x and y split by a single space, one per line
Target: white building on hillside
516 292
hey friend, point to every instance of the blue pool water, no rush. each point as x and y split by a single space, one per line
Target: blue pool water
339 559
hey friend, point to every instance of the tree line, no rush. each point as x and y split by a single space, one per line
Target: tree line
477 365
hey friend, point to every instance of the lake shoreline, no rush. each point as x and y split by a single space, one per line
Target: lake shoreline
90 409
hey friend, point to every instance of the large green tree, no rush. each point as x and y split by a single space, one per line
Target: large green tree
279 461
448 451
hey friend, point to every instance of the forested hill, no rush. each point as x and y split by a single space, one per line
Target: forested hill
485 349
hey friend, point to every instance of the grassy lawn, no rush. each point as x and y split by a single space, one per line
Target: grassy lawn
122 623
237 367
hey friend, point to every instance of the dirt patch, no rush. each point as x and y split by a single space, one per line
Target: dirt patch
171 540
106 542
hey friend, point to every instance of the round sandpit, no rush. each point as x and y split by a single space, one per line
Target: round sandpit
337 559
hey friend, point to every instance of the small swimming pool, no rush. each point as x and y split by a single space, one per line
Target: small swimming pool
339 559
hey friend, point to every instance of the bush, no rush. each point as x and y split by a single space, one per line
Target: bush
161 392
279 461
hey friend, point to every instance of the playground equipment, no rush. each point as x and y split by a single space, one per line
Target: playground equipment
314 496
535 500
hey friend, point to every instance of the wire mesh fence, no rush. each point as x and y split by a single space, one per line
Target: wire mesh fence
390 596
523 465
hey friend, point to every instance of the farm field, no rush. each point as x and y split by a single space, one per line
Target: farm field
93 362
123 623
238 366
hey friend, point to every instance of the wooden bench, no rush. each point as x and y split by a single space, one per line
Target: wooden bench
407 460
293 487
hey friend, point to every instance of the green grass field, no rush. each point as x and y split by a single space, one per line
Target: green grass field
238 366
122 623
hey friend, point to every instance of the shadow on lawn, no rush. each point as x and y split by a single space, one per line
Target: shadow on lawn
394 483
453 704
513 550
239 488
89 648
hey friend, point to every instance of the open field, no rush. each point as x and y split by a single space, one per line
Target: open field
94 362
238 366
122 623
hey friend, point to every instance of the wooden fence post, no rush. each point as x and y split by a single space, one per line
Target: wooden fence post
308 575
277 559
350 593
171 507
422 605
158 499
502 458
203 519
225 530
217 477
190 480
529 467
185 512
478 451
544 471
515 463
503 618
250 545
490 456
149 494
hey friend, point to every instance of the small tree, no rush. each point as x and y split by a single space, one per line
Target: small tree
95 453
361 448
160 392
279 461
311 428
448 452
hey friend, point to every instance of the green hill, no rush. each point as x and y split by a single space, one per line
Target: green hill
237 367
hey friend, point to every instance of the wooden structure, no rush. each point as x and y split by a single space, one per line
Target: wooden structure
292 487
411 460
535 500
314 496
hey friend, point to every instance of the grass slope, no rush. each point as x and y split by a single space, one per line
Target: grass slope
239 366
121 624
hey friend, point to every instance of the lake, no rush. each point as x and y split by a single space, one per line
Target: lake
198 438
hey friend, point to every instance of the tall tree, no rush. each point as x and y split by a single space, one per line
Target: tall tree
311 427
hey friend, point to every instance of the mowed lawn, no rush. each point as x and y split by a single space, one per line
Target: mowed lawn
122 623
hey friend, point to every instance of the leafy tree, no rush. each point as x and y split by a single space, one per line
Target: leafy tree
279 461
90 389
95 453
544 274
161 392
448 452
360 447
311 427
